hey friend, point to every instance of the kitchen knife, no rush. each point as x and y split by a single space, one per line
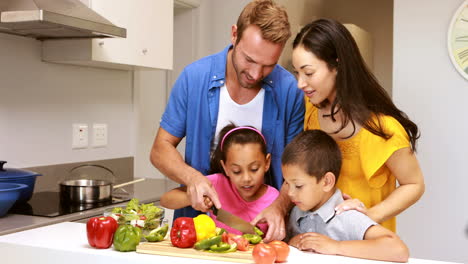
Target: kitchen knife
233 221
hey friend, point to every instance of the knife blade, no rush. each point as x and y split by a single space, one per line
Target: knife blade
233 221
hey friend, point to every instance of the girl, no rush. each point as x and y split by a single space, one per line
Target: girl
377 140
238 164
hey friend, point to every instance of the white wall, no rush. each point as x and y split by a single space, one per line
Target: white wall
39 102
376 18
429 89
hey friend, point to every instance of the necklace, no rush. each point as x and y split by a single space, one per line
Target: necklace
334 113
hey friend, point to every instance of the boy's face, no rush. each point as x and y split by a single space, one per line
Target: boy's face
304 190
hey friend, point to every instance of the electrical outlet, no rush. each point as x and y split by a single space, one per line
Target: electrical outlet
99 135
79 136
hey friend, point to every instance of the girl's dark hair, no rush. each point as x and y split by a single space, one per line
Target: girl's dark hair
315 152
358 93
241 136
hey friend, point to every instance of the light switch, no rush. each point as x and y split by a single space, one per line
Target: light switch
99 135
79 136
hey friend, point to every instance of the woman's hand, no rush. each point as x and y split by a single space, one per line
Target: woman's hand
350 204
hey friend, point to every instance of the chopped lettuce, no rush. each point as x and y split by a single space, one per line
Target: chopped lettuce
134 211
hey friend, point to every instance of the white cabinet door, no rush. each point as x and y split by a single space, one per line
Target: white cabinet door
149 42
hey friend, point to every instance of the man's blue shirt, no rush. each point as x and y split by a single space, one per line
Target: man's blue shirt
192 112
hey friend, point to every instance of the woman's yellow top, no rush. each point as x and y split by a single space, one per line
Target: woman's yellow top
364 174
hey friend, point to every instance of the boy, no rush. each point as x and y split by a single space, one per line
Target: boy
311 164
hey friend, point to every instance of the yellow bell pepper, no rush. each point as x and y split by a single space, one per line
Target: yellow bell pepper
204 226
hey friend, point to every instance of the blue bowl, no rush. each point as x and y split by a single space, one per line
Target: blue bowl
9 193
26 193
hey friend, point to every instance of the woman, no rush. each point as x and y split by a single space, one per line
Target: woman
376 139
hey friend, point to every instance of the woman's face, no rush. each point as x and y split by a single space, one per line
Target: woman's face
246 165
313 76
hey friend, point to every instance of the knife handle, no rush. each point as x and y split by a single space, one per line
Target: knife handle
215 210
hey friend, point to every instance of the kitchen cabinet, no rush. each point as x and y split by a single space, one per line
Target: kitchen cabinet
149 42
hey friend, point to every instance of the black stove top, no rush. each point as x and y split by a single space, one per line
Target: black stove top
49 204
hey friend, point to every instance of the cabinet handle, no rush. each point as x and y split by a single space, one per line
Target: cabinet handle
101 43
145 51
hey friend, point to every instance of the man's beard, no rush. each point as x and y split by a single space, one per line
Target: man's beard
239 74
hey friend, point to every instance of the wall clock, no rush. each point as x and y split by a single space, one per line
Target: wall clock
458 39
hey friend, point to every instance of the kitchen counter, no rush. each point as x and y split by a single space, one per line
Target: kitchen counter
67 243
146 191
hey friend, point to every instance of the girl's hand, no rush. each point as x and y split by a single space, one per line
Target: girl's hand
319 243
350 204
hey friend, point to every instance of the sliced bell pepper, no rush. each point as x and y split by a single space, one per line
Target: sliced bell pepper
157 234
100 231
223 248
207 243
183 234
258 231
253 239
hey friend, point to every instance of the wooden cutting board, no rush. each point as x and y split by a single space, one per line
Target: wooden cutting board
165 248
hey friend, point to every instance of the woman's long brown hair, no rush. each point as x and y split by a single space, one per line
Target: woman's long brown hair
359 95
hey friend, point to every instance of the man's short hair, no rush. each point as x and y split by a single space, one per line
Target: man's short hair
271 18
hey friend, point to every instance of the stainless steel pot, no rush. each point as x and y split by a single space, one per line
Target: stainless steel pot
86 191
89 191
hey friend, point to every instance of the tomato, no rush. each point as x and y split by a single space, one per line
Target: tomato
264 254
242 243
282 250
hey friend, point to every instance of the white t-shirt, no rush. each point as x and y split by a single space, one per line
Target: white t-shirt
249 114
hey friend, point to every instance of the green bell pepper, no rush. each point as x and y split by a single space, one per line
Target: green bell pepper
126 238
223 248
157 234
258 231
253 239
207 243
219 231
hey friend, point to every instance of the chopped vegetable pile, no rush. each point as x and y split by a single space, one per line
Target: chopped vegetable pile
146 216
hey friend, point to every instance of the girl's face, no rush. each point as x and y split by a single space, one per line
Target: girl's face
313 76
305 191
245 165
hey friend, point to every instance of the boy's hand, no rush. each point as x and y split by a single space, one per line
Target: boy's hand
317 243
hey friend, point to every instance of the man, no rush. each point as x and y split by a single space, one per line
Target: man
242 84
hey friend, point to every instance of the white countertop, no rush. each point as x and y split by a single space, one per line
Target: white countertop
67 243
149 190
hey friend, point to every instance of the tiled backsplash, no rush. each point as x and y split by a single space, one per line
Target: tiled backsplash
53 174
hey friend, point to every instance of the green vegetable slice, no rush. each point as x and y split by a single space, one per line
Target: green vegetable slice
207 243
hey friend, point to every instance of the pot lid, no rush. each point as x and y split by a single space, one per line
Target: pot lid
15 173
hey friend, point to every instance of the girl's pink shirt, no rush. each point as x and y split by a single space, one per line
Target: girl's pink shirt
232 202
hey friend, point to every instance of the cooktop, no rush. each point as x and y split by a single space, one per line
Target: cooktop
49 204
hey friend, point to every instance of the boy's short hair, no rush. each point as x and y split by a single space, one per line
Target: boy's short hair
315 152
271 18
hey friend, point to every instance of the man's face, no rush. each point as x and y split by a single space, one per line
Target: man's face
253 57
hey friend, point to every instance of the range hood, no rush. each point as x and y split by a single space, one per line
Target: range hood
55 19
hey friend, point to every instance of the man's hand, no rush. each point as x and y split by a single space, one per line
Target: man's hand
274 216
198 189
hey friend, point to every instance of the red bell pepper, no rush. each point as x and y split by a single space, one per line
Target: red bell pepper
183 234
100 231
